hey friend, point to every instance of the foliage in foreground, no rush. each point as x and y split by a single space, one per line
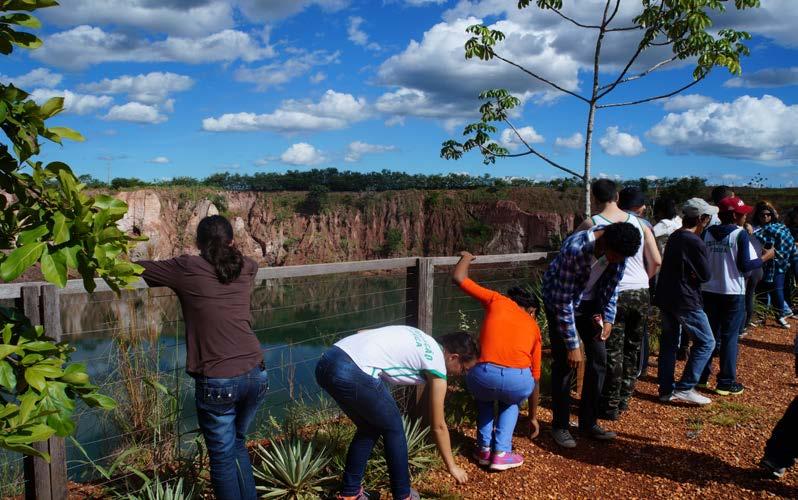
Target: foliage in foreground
46 219
292 469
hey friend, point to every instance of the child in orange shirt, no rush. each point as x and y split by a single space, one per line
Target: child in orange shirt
509 367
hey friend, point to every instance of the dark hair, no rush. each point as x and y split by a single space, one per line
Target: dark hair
665 208
460 343
604 190
214 240
726 217
631 197
764 206
720 193
622 238
523 297
691 222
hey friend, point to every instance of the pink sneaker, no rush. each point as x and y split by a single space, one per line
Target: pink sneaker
482 456
505 460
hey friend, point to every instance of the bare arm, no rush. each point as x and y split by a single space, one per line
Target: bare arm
534 399
440 433
460 272
651 253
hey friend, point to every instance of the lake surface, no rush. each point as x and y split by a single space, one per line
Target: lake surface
295 320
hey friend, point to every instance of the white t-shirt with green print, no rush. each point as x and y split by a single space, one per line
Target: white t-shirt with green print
397 354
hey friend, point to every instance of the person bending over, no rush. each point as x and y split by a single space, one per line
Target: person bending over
508 371
580 290
222 354
356 372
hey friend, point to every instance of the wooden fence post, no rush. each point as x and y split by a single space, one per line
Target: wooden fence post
45 481
420 292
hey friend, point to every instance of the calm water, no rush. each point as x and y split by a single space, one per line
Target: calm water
294 319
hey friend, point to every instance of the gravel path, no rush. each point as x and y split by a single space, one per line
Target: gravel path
663 451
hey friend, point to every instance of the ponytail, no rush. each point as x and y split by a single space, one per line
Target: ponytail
215 242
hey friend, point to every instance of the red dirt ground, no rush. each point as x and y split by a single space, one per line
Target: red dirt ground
662 451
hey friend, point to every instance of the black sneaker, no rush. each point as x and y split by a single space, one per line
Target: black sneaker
772 470
608 415
734 389
599 433
623 406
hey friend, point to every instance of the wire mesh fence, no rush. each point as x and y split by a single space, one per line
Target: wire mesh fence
134 347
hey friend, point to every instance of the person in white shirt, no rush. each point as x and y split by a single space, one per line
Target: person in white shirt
356 372
668 220
731 255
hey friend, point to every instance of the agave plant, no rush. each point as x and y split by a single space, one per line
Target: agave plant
162 490
294 470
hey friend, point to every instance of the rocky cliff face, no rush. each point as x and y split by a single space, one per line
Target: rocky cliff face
279 228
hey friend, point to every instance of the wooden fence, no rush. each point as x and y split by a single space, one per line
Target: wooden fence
41 304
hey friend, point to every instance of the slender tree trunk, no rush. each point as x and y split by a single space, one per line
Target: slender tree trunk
591 117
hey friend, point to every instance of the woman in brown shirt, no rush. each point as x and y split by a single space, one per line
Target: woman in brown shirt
223 355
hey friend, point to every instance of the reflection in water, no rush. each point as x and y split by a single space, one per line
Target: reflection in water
294 319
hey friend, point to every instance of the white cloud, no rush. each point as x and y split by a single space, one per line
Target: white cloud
358 149
575 141
161 160
775 19
509 139
77 104
84 46
769 78
135 112
297 64
616 143
272 10
152 88
318 77
686 101
175 17
334 111
417 3
357 35
652 178
39 77
751 128
730 177
302 154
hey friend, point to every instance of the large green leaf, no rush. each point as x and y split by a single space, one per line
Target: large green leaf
27 403
20 19
32 434
104 402
35 378
54 269
7 377
32 235
67 133
21 259
71 256
5 350
60 229
52 107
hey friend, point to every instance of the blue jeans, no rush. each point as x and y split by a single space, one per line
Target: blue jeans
696 324
775 293
367 401
490 383
726 314
225 408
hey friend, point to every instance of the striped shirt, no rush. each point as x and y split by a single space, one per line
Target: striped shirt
566 279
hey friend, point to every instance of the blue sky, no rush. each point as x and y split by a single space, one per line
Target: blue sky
165 88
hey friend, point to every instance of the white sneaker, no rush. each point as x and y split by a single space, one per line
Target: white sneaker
666 398
691 396
783 323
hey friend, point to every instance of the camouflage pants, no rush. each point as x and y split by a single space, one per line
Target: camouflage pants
623 349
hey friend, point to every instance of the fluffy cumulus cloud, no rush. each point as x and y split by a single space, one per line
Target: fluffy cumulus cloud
77 104
358 149
39 77
357 35
575 141
152 88
84 45
160 160
272 10
686 101
333 111
302 154
135 112
510 140
176 17
751 128
617 143
298 63
769 78
775 19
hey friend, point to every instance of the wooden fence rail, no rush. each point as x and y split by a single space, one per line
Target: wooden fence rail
41 304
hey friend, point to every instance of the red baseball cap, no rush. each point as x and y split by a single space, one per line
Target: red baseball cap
734 204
